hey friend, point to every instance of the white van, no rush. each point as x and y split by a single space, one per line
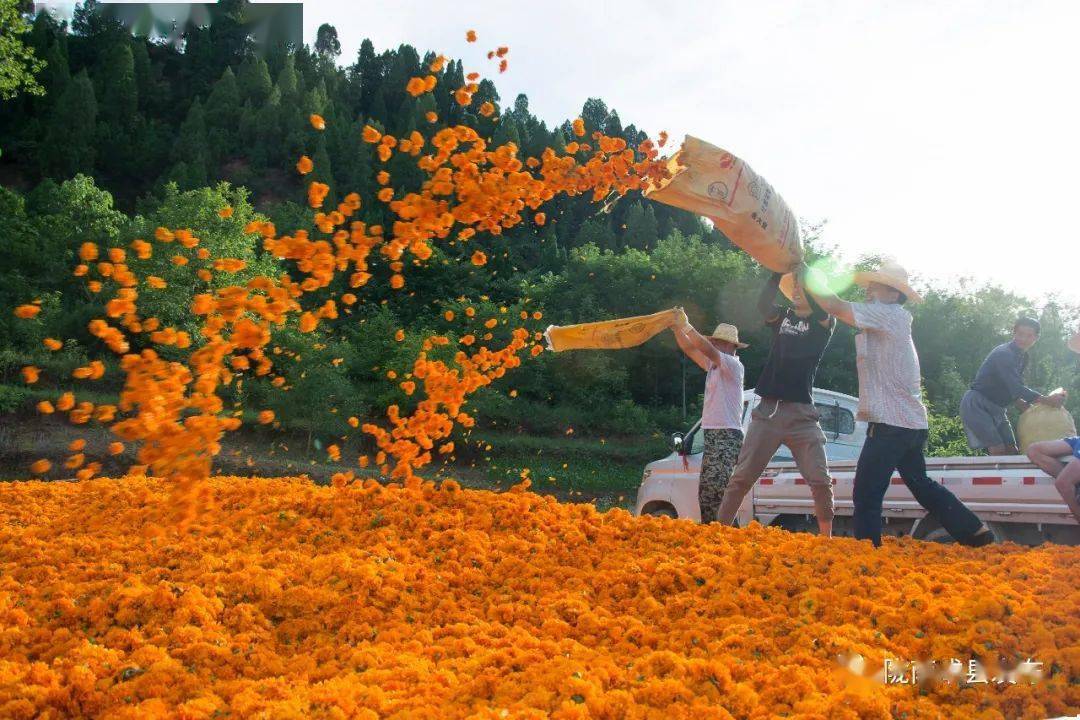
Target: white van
1014 497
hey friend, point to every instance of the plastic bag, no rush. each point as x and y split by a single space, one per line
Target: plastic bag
710 181
1042 422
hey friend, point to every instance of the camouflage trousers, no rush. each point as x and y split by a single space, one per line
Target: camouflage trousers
718 460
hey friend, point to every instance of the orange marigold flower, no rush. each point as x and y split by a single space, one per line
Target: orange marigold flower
437 64
317 122
225 212
115 448
371 135
397 281
416 87
45 407
382 177
579 127
40 467
308 322
540 218
470 36
30 374
317 192
487 109
386 194
304 165
479 258
266 417
26 312
449 315
431 116
399 335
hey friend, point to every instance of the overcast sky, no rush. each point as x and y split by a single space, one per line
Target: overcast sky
944 133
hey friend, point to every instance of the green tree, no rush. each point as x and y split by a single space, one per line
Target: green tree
190 152
115 85
223 117
641 228
68 146
254 80
18 63
327 44
196 210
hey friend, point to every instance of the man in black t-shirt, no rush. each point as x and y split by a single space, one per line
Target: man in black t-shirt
786 414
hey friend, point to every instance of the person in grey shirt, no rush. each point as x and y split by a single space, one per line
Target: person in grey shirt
998 384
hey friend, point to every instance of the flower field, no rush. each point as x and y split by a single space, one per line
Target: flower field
285 599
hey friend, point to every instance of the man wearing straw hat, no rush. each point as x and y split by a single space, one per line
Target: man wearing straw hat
1047 455
721 415
786 413
890 400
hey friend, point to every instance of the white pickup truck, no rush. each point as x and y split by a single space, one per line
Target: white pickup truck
1016 499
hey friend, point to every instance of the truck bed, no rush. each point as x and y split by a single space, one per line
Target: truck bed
1005 489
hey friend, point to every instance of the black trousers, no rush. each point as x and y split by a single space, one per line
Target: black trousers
890 448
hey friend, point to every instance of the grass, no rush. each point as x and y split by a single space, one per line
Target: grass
604 471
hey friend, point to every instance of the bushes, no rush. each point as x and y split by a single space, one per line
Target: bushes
947 437
12 398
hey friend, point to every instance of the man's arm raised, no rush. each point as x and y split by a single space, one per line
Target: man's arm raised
830 303
694 344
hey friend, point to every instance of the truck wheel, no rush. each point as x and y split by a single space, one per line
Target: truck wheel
659 510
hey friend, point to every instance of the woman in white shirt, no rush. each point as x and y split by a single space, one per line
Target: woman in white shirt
721 416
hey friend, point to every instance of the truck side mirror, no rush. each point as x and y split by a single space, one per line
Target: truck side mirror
677 443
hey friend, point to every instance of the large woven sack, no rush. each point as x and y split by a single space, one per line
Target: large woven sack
1042 422
712 182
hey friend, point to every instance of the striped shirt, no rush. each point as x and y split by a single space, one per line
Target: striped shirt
890 382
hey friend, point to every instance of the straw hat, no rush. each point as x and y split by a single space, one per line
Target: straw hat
728 333
890 273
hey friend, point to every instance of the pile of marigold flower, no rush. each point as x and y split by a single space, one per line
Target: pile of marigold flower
289 600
